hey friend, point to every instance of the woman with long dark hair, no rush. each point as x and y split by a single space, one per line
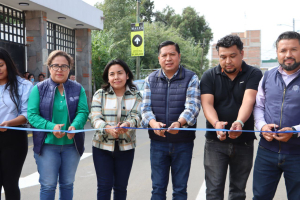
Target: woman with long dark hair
114 106
14 93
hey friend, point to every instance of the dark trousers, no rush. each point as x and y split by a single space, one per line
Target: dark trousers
268 168
176 157
113 170
13 151
217 157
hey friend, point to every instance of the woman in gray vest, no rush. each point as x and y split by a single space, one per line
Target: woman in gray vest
14 93
57 104
114 106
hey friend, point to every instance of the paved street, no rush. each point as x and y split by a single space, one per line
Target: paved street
140 180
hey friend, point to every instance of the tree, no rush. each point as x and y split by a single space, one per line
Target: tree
103 50
214 63
114 41
119 14
156 33
168 17
147 12
189 24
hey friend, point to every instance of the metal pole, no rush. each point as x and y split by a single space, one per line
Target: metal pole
203 45
293 24
137 21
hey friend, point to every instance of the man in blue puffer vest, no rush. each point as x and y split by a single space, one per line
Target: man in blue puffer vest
278 108
171 100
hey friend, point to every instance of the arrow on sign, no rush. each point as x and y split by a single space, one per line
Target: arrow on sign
137 40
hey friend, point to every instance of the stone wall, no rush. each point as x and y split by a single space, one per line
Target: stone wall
36 39
83 60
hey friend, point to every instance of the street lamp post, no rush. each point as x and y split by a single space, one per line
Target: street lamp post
288 25
202 45
293 24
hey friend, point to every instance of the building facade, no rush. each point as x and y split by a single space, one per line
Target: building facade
31 29
252 47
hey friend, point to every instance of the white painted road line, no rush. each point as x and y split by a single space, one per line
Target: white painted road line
202 192
33 179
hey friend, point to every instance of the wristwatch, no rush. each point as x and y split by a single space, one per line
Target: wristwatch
295 135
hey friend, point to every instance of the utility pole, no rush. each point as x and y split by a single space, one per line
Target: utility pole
293 24
202 45
138 21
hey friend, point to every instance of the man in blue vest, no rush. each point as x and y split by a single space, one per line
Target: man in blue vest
278 108
171 100
228 94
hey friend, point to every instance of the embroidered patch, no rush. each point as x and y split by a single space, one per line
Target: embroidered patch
295 88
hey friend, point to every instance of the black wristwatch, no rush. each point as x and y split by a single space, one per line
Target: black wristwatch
295 135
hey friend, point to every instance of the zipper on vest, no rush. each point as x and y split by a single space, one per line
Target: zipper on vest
167 108
69 117
50 114
281 115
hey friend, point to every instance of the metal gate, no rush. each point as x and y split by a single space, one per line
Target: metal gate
12 35
60 38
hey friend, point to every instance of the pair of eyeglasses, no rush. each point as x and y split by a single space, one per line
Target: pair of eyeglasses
56 67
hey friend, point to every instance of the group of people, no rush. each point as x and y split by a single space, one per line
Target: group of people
234 96
53 104
30 77
41 77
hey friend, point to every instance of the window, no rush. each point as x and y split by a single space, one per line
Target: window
12 25
60 38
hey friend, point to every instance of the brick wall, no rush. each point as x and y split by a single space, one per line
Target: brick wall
252 47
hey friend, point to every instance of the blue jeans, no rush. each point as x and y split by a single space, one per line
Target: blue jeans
57 162
113 171
177 156
217 157
268 168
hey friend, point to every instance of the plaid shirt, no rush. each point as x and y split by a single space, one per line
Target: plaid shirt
104 111
192 103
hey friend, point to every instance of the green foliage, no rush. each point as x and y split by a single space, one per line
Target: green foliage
188 30
214 63
156 33
114 41
147 12
119 14
103 49
190 25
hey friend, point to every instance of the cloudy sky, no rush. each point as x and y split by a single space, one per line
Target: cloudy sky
226 16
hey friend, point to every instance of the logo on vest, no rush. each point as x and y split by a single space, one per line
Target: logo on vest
74 98
295 88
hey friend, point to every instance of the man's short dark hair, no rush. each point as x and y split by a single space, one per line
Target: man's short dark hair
41 75
229 41
167 43
71 74
288 35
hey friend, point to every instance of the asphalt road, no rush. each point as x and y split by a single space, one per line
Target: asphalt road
139 187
